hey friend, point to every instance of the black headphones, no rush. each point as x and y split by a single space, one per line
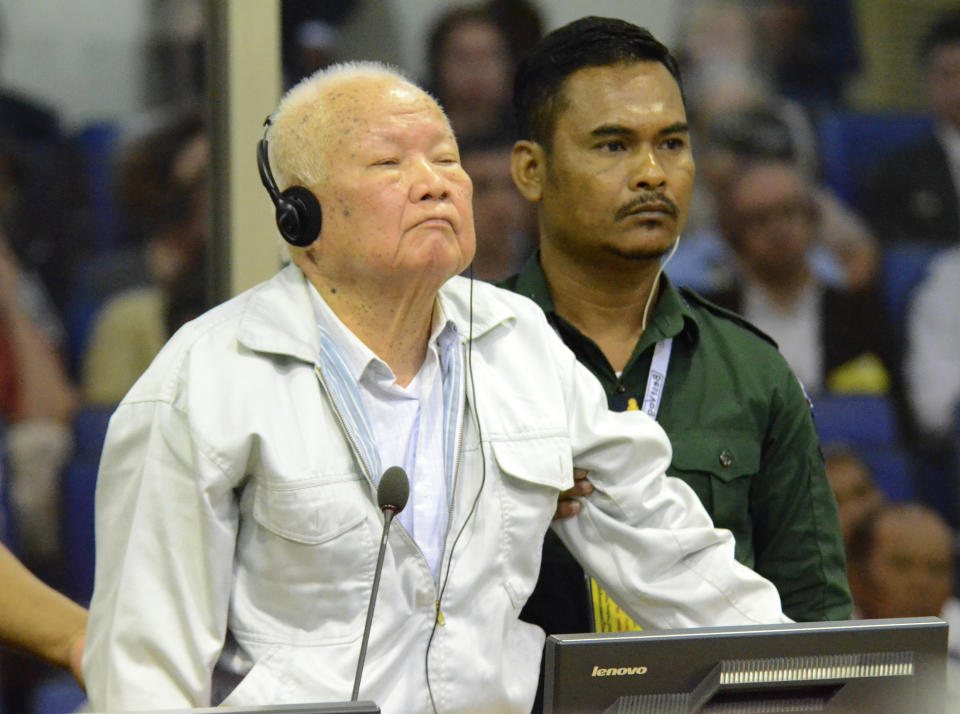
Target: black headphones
299 217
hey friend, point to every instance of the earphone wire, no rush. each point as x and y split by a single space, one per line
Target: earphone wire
656 281
476 500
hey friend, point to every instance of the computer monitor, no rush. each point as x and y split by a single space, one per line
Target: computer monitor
364 707
895 665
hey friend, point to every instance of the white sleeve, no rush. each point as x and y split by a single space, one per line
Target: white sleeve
645 536
166 520
933 345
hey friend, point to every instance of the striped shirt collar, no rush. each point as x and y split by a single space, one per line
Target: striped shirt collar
359 358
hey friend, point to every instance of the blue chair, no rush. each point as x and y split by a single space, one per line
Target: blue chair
892 470
59 694
7 530
78 488
904 266
851 143
868 423
96 143
856 418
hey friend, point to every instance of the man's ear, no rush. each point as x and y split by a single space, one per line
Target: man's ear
528 169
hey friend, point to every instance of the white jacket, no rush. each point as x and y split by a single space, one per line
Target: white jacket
236 531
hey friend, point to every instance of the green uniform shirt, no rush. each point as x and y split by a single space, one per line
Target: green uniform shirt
743 438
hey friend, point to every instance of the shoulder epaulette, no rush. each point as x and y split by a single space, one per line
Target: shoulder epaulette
693 297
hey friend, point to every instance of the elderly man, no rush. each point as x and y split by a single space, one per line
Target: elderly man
237 517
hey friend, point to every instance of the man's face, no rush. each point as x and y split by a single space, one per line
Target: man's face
854 490
503 219
774 220
619 172
397 204
474 66
910 569
944 83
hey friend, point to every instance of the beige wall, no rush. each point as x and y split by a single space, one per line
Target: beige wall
890 33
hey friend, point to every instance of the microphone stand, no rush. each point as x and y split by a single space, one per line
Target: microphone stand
388 512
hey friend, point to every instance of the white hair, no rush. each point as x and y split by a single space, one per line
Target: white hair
297 141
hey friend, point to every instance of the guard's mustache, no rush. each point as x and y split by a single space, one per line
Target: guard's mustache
647 201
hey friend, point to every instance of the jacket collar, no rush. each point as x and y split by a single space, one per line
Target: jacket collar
489 309
279 317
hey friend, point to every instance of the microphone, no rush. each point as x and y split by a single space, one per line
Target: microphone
392 493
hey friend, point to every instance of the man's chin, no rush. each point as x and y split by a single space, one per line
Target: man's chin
637 254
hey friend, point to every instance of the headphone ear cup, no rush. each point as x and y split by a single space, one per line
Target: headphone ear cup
299 216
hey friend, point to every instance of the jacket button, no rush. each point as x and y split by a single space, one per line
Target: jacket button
726 458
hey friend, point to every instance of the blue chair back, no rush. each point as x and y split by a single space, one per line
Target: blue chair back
97 143
903 268
868 423
58 694
856 418
851 144
78 488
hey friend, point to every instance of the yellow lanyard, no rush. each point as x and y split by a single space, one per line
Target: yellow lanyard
607 615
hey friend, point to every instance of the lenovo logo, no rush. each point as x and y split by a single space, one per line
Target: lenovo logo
617 671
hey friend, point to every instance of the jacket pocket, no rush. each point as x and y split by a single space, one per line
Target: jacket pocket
534 471
312 515
306 565
719 466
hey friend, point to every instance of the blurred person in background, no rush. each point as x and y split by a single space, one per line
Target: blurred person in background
902 563
505 222
932 362
719 54
804 51
316 44
37 403
37 399
174 206
853 486
470 66
914 194
42 198
312 35
844 253
739 111
521 22
835 340
17 227
808 48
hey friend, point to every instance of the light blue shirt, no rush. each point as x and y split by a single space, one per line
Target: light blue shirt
403 426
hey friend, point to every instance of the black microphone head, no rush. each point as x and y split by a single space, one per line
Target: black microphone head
394 489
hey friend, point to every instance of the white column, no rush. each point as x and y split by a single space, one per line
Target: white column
244 83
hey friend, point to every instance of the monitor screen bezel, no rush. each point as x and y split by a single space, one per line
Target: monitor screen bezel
562 674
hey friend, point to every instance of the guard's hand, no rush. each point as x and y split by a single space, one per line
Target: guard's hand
76 660
567 505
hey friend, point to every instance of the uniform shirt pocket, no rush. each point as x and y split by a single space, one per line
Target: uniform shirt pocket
719 466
